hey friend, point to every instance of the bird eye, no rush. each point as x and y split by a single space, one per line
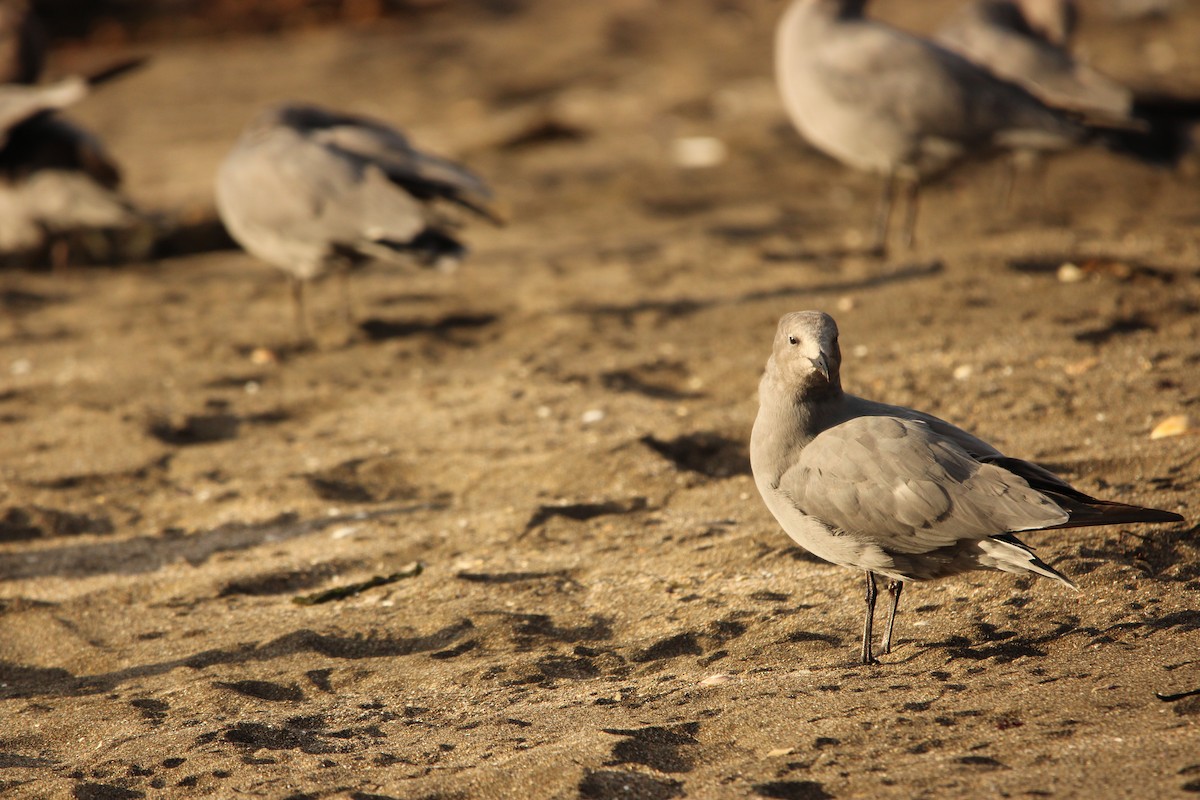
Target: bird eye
793 339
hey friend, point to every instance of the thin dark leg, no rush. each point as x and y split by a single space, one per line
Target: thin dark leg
883 215
60 256
912 204
298 310
867 657
894 589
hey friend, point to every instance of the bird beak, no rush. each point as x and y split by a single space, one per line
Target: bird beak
821 365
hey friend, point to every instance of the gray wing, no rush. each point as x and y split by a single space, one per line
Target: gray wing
898 483
300 192
1011 50
977 448
423 174
1082 508
399 159
932 92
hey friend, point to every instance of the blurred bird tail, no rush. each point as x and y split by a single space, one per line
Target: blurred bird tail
115 70
431 248
1159 105
1160 129
493 215
1163 143
455 183
443 171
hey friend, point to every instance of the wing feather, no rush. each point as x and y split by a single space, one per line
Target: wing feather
900 484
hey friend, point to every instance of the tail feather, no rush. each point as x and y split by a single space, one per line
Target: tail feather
1010 554
1167 122
115 70
1092 512
1166 106
1083 510
1163 141
431 248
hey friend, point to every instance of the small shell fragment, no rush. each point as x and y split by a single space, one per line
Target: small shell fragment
261 356
1070 273
717 679
1076 368
1176 425
698 152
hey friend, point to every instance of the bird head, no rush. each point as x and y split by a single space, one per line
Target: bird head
806 355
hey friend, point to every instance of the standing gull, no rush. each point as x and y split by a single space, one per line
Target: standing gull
311 190
893 491
884 101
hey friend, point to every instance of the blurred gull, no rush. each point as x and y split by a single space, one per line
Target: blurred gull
885 101
57 182
1024 41
893 491
312 190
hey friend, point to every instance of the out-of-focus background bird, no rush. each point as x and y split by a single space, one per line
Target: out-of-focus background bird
1026 41
885 101
59 186
997 77
312 190
1029 43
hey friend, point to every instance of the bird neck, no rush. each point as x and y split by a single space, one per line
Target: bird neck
801 407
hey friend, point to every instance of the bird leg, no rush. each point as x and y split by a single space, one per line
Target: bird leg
1018 164
883 215
912 204
867 657
298 311
894 589
892 185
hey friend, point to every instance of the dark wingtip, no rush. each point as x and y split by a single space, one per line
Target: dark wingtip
1163 140
432 246
116 70
1102 512
1167 516
485 210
